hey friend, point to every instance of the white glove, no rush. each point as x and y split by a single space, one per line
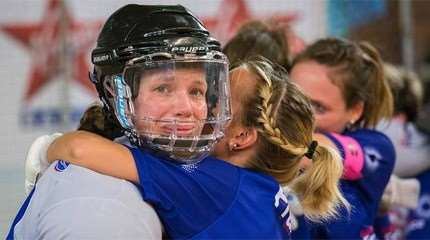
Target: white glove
36 161
402 192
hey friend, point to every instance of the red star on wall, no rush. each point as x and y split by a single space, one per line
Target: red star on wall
58 46
232 14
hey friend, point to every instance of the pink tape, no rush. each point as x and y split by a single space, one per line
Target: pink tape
367 232
353 161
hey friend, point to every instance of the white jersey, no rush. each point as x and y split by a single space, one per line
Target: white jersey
71 202
412 150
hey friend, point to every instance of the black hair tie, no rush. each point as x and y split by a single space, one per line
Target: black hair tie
311 149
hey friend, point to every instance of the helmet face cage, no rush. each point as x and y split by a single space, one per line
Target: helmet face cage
178 105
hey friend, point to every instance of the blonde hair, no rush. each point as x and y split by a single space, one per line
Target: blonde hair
358 71
285 123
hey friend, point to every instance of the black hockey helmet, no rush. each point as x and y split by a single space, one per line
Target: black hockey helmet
137 38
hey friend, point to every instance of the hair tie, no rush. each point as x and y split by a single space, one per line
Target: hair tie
311 149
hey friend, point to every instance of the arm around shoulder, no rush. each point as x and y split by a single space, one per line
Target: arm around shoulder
94 152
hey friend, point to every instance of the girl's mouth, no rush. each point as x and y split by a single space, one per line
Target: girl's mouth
180 129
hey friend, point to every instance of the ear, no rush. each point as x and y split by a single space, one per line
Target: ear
356 111
244 138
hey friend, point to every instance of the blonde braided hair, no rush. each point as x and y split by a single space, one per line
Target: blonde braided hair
283 118
267 118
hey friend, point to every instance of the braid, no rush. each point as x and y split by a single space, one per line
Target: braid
283 118
268 123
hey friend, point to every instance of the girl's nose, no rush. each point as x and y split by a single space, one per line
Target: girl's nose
183 105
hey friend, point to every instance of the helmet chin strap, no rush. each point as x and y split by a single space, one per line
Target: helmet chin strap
182 150
186 151
133 137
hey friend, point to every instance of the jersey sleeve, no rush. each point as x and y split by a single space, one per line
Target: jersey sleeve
352 155
364 152
384 228
188 198
368 158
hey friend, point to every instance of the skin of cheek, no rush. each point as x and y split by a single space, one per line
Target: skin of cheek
200 110
313 79
150 106
146 107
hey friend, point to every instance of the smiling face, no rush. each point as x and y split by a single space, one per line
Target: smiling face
171 100
331 113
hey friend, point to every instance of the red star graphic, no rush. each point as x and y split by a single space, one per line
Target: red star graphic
232 14
58 46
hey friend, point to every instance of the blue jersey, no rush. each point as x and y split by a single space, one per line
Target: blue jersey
368 158
418 226
212 199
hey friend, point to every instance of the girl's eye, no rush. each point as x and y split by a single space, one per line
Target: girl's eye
162 89
197 92
318 108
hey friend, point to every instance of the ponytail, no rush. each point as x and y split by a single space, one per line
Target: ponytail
379 103
283 117
318 185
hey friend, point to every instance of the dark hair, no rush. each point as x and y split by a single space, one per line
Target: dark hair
257 38
407 90
96 120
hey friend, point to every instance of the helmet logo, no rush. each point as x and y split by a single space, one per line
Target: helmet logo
101 59
189 49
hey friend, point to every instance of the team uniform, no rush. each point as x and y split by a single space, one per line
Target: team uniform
71 202
385 229
212 199
417 223
368 157
418 226
408 141
404 223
